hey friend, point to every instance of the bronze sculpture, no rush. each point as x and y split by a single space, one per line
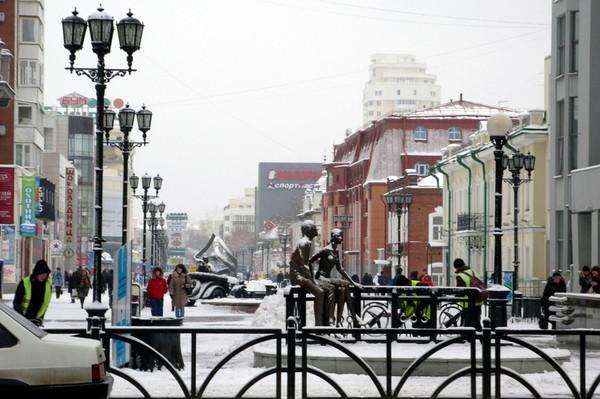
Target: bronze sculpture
329 258
301 271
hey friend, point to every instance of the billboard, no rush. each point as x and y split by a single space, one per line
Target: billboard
28 206
176 224
7 195
45 205
121 310
8 253
281 187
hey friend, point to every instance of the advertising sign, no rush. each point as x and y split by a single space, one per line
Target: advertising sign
28 206
7 253
70 210
73 100
176 224
507 281
45 203
121 310
281 188
7 195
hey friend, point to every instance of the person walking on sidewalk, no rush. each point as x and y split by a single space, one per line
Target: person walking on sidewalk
179 286
58 280
83 282
157 288
34 293
466 277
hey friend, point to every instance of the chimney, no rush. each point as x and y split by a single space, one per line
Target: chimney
460 97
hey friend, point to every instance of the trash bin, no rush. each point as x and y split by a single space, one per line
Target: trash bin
167 344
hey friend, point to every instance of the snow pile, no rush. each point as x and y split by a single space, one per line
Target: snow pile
271 312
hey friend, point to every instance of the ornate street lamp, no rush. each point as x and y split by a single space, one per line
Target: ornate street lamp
147 182
515 164
498 126
399 202
101 29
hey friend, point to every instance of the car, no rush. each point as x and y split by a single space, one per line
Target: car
209 286
254 289
35 364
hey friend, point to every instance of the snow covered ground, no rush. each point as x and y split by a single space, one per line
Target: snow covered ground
213 347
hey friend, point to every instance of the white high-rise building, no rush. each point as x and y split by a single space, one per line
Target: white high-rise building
398 84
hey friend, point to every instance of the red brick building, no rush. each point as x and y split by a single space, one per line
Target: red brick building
362 164
8 32
418 248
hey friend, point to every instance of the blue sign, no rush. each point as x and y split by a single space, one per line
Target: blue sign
121 310
507 281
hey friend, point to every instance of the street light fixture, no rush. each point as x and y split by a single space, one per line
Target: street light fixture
399 202
515 164
283 239
101 29
498 126
127 118
147 182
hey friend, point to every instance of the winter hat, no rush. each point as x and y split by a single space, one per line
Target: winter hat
458 262
40 267
556 274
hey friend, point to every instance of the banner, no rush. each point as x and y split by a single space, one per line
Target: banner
28 206
70 212
121 310
7 196
507 281
45 204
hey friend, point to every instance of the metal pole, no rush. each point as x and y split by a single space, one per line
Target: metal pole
99 175
516 184
399 216
144 210
285 255
152 221
125 212
498 142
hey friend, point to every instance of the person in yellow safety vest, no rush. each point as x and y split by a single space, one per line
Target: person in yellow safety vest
422 308
34 293
465 277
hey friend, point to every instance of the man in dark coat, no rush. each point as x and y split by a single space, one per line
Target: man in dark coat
34 293
554 284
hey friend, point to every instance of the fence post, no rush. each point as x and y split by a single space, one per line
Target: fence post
291 357
395 309
486 360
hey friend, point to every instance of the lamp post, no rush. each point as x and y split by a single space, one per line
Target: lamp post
152 209
344 222
283 239
126 120
101 33
400 202
498 126
515 164
146 183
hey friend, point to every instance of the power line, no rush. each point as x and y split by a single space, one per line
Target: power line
422 14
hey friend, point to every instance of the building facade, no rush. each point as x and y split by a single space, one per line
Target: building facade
574 178
357 177
467 175
397 84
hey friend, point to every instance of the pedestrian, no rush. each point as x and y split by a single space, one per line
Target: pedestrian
84 283
157 288
179 286
58 280
400 279
426 280
595 285
34 293
107 279
467 277
555 283
74 278
355 278
279 278
585 279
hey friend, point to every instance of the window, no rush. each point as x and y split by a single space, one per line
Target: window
19 154
29 73
415 92
560 42
432 94
454 133
6 338
573 61
437 224
559 238
573 132
378 102
422 169
420 133
560 139
29 30
398 92
25 115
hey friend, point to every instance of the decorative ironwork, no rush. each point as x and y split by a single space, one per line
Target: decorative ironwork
96 77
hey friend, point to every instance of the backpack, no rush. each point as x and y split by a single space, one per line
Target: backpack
477 283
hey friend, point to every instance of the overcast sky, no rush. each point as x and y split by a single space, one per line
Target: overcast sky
235 82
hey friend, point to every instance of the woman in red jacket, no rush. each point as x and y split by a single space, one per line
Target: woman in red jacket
157 288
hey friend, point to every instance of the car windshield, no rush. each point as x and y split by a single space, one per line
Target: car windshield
32 328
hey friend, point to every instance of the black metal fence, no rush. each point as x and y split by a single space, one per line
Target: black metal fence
481 377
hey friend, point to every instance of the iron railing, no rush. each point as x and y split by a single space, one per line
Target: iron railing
482 377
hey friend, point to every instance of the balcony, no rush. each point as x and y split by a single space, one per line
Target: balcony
469 224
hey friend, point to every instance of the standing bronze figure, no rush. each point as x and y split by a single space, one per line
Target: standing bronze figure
329 258
301 271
